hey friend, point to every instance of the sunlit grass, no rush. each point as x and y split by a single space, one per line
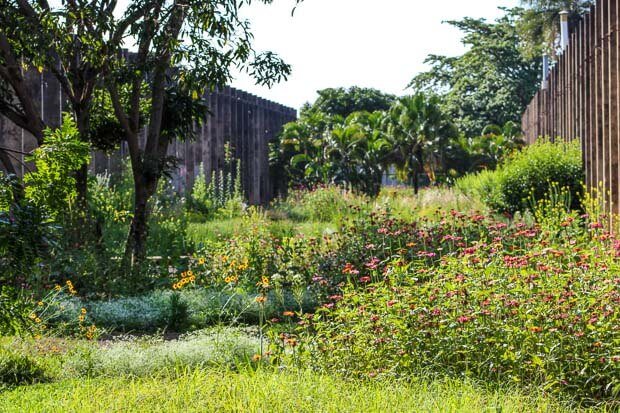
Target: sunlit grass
265 391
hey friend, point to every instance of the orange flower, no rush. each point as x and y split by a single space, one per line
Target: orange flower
261 299
256 358
288 314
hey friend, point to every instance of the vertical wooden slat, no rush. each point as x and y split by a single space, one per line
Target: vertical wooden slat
612 105
605 100
592 99
598 123
616 86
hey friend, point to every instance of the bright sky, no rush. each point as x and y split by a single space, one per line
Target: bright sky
371 43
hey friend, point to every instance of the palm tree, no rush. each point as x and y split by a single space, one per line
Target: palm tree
540 23
357 151
417 131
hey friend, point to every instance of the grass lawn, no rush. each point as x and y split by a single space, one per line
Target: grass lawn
264 391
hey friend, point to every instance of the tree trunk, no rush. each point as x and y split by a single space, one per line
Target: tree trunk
419 168
18 189
135 250
81 175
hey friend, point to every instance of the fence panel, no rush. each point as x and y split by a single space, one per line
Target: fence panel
581 100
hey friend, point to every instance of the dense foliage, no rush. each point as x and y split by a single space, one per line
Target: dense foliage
492 83
343 102
531 304
413 136
535 173
539 23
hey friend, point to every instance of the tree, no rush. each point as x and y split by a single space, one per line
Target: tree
65 40
417 130
299 150
491 83
539 24
184 47
357 151
343 102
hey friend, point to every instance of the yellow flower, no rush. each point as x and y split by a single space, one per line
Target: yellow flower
57 287
201 261
81 318
32 316
83 311
264 282
40 303
37 320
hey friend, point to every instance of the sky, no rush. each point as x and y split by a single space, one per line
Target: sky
369 43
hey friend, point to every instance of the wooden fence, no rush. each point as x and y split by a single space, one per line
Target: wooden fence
246 122
580 100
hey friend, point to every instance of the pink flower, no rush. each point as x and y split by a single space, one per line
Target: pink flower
350 269
365 280
373 263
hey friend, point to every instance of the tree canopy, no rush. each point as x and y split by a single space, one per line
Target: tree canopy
343 102
539 23
491 83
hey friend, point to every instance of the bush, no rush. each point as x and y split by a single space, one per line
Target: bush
19 369
530 173
484 186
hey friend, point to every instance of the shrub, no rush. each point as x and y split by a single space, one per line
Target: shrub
52 185
530 173
484 186
19 369
223 194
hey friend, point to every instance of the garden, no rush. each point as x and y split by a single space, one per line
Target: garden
485 279
458 296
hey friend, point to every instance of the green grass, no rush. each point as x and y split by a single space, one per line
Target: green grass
265 391
218 230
